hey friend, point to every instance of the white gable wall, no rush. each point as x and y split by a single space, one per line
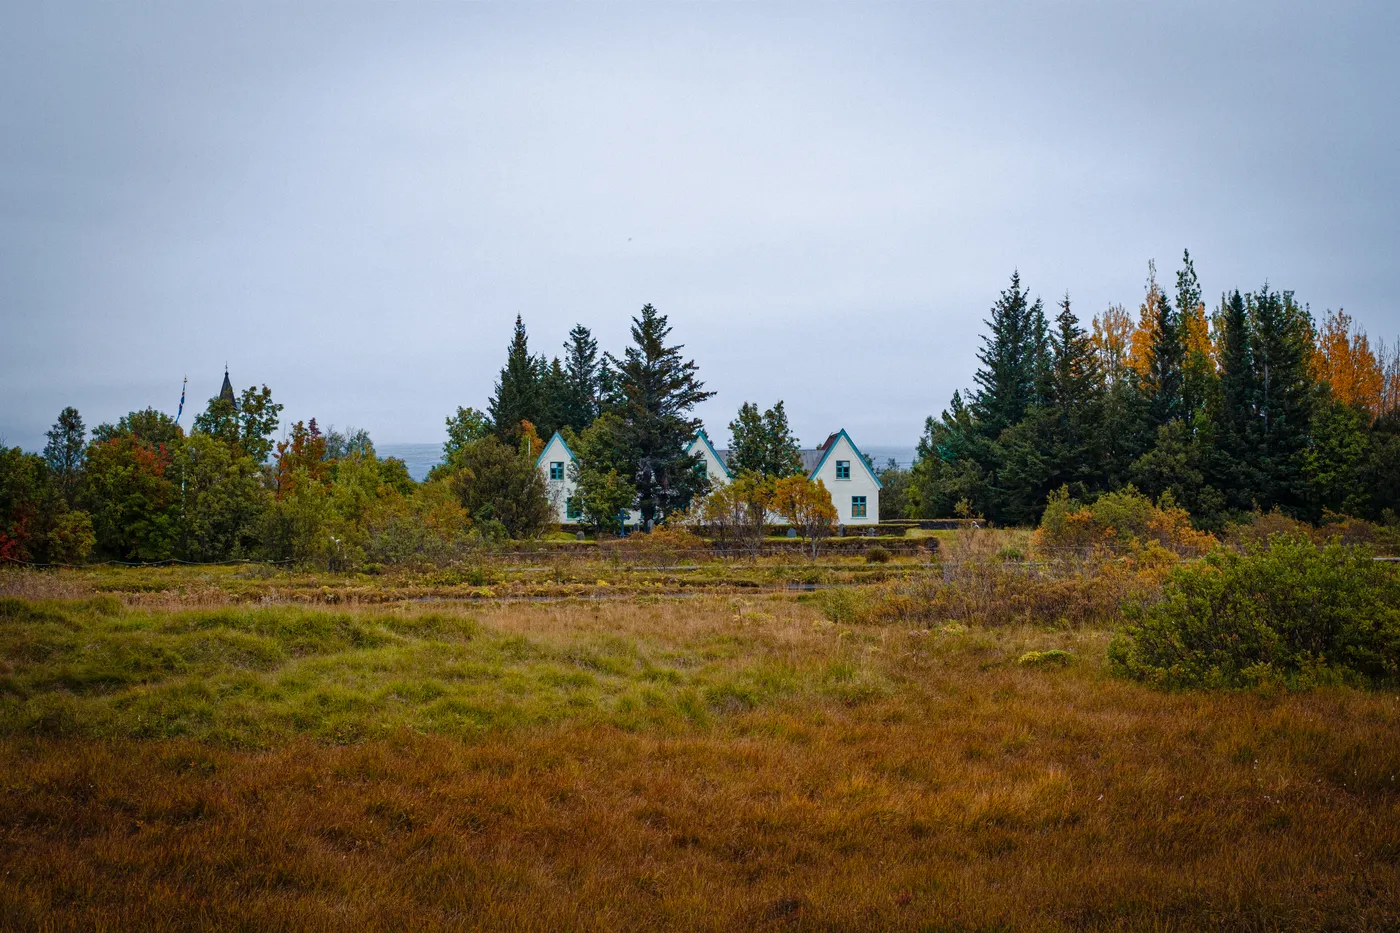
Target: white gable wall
715 469
860 483
558 491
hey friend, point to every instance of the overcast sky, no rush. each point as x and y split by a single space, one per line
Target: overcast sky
351 203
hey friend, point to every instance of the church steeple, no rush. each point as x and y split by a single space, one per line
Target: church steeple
226 393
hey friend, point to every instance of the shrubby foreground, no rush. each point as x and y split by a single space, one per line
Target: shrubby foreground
187 755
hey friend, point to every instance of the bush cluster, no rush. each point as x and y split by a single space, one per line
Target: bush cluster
1292 612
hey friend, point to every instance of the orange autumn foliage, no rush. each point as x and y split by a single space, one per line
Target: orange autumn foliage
1343 359
1112 336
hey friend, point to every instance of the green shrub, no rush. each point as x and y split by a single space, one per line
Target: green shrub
877 555
845 605
1293 612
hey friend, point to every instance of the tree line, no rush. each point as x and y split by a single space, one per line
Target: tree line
144 489
1252 407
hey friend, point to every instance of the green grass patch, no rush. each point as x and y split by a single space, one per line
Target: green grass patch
255 676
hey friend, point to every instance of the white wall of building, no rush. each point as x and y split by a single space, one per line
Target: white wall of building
842 470
558 491
719 474
846 484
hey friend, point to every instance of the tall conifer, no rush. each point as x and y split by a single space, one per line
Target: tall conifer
517 395
658 390
1013 360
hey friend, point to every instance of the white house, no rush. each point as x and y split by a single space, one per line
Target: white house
554 462
838 463
715 466
842 468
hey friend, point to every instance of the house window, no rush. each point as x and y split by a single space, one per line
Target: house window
857 506
556 469
843 469
572 509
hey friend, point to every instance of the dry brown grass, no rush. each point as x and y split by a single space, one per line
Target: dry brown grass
926 781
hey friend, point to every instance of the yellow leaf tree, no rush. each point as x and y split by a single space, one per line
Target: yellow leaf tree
1112 340
807 507
1344 359
1145 334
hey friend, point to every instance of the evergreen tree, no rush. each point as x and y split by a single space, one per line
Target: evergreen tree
1013 358
517 392
948 477
1075 402
581 375
1163 382
1198 368
1076 378
747 450
763 443
1237 440
1282 350
659 389
64 452
554 400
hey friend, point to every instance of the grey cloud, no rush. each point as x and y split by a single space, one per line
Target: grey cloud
352 203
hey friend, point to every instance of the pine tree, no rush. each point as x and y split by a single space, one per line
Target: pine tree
1163 378
1237 439
517 395
1013 361
1076 377
64 451
1282 348
1075 399
658 390
581 376
555 400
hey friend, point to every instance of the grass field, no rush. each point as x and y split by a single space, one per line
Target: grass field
191 750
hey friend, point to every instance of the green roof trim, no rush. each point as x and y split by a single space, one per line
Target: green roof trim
859 456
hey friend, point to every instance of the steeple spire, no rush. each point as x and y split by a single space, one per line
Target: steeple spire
226 393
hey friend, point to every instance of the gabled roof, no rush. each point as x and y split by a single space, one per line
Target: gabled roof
830 445
702 436
562 443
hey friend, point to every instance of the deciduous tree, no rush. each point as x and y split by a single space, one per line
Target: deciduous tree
807 507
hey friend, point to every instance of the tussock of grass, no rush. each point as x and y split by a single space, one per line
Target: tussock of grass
251 677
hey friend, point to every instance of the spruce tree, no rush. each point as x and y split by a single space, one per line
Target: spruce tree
658 390
1076 377
1281 350
1237 439
1013 361
517 395
1076 401
1163 382
555 400
581 372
